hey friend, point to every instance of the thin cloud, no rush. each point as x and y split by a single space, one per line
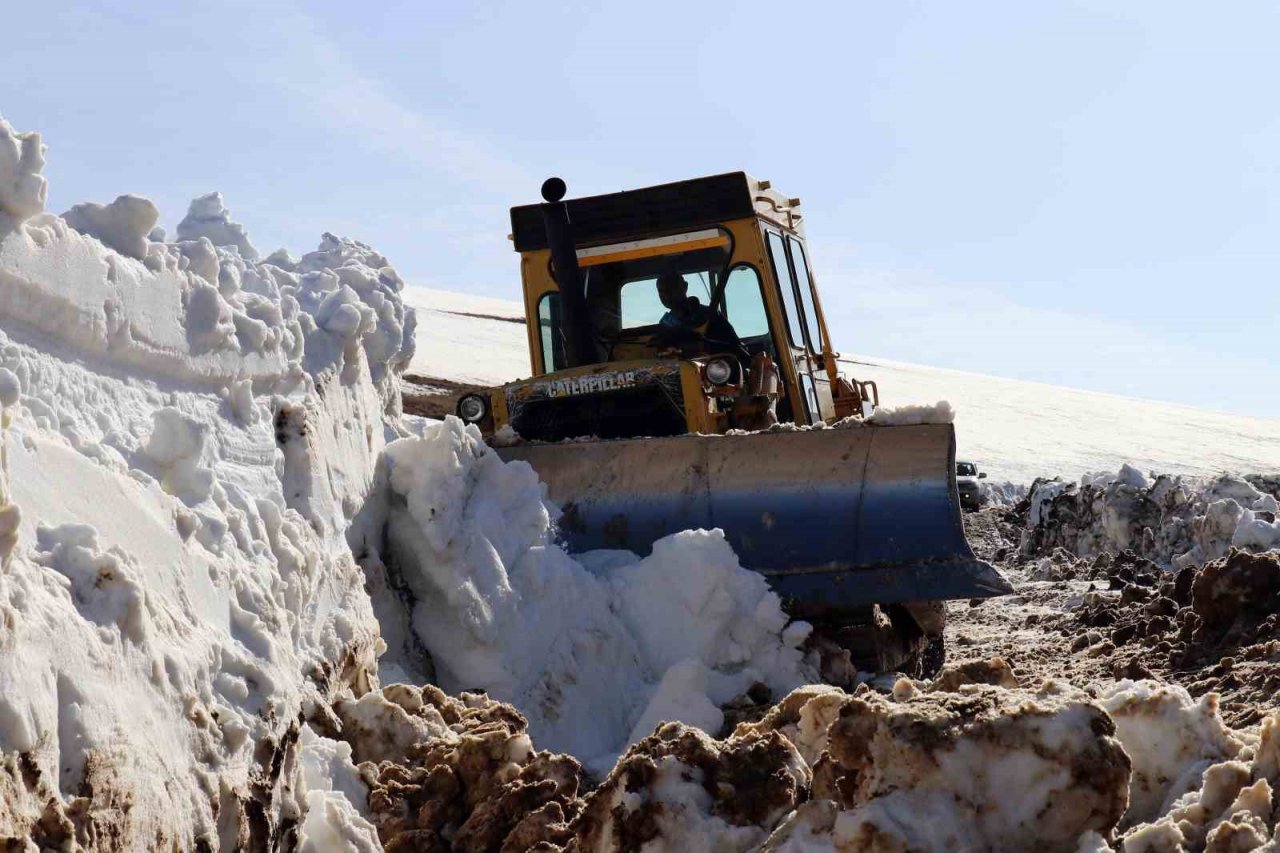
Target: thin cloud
306 64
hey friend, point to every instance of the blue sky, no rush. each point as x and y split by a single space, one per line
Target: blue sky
1068 192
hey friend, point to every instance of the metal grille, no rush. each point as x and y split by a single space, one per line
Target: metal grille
652 409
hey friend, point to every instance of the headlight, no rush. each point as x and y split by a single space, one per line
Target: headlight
718 371
472 408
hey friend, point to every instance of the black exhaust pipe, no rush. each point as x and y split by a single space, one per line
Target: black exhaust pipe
575 319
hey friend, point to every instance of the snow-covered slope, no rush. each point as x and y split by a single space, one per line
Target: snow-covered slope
1019 430
470 339
1014 430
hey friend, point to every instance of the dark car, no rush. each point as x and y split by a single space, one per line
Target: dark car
967 478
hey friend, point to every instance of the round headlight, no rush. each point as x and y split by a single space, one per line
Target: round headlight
719 371
472 408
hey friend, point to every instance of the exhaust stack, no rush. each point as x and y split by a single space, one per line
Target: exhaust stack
575 320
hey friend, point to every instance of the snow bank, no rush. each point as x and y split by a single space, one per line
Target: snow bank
202 310
997 493
594 656
1172 521
183 441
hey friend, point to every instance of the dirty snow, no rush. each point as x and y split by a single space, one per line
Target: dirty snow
1175 521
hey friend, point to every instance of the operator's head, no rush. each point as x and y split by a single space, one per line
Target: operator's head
673 290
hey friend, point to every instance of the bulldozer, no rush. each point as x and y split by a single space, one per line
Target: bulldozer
683 376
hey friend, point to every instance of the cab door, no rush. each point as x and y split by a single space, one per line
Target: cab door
802 332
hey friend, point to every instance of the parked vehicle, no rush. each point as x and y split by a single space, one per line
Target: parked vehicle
967 477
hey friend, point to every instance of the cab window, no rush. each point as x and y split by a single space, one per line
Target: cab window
641 305
800 264
811 397
744 303
553 357
622 295
778 256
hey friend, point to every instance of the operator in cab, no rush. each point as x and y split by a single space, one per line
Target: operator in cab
685 312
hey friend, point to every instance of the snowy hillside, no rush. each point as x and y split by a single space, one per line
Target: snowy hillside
1014 430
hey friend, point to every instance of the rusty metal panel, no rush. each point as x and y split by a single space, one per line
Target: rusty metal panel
835 518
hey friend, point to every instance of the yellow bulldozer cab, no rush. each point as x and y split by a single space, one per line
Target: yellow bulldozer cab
739 246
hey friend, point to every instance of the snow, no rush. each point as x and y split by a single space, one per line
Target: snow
1018 430
594 657
122 225
910 415
23 189
208 217
459 342
1175 521
214 521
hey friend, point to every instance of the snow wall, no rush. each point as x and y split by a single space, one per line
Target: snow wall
187 428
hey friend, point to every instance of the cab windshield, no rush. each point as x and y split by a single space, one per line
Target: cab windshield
966 469
623 295
719 303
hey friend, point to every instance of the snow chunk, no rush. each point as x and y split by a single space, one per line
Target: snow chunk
175 447
940 412
693 793
123 225
208 217
105 586
10 388
1170 738
1256 533
22 188
1042 495
334 797
984 768
1131 476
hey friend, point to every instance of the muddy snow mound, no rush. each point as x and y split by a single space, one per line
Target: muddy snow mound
1173 521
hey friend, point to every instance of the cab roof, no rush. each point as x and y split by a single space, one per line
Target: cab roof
694 203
